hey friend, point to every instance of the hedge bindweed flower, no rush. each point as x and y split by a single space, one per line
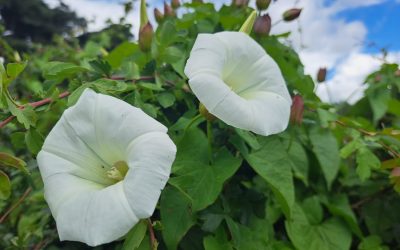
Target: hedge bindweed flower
104 165
238 82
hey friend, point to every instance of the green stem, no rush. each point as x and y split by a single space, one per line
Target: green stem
210 140
194 119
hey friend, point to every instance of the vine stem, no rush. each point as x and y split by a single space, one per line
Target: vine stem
34 105
153 239
16 204
210 139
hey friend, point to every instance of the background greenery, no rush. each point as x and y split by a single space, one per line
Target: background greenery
328 182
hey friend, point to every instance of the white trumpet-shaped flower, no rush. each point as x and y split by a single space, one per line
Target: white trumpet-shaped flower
238 82
104 165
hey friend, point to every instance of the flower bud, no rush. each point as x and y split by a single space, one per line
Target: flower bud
378 78
395 172
240 3
204 112
262 25
168 11
175 4
145 37
397 73
291 14
158 15
262 4
395 178
321 76
297 109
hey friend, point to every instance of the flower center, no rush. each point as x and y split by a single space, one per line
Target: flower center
118 171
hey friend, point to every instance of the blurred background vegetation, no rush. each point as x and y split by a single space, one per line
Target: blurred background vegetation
330 181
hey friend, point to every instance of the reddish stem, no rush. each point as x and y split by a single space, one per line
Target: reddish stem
153 240
20 200
34 105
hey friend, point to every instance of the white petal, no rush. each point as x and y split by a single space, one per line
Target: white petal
150 159
90 137
247 91
107 125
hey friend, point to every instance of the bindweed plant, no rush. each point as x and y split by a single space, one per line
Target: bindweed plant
89 133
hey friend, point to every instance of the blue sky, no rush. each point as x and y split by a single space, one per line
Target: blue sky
383 22
336 34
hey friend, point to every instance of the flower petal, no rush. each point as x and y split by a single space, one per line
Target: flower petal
238 82
88 139
150 157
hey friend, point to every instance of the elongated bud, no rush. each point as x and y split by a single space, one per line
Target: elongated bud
397 73
240 3
291 14
296 111
262 25
143 14
158 15
204 112
168 11
175 4
263 4
378 78
248 24
145 37
321 76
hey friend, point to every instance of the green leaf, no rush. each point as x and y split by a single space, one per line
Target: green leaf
329 235
339 205
101 66
150 86
108 86
350 148
379 101
249 138
314 210
217 242
73 98
14 69
12 161
34 141
172 55
27 116
272 164
326 116
202 182
325 148
176 216
124 50
59 71
135 236
166 100
372 242
5 186
366 162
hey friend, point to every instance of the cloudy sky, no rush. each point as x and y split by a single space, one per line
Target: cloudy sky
346 36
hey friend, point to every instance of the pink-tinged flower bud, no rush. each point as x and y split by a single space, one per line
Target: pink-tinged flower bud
158 15
397 73
378 78
262 25
263 4
168 11
291 14
395 172
321 76
297 109
145 37
175 4
240 3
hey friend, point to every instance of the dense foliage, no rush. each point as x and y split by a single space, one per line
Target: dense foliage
328 182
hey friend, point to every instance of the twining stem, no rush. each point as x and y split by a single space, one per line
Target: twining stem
20 200
34 105
210 140
153 239
194 119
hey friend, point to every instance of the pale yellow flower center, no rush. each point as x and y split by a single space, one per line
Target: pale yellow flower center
118 171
